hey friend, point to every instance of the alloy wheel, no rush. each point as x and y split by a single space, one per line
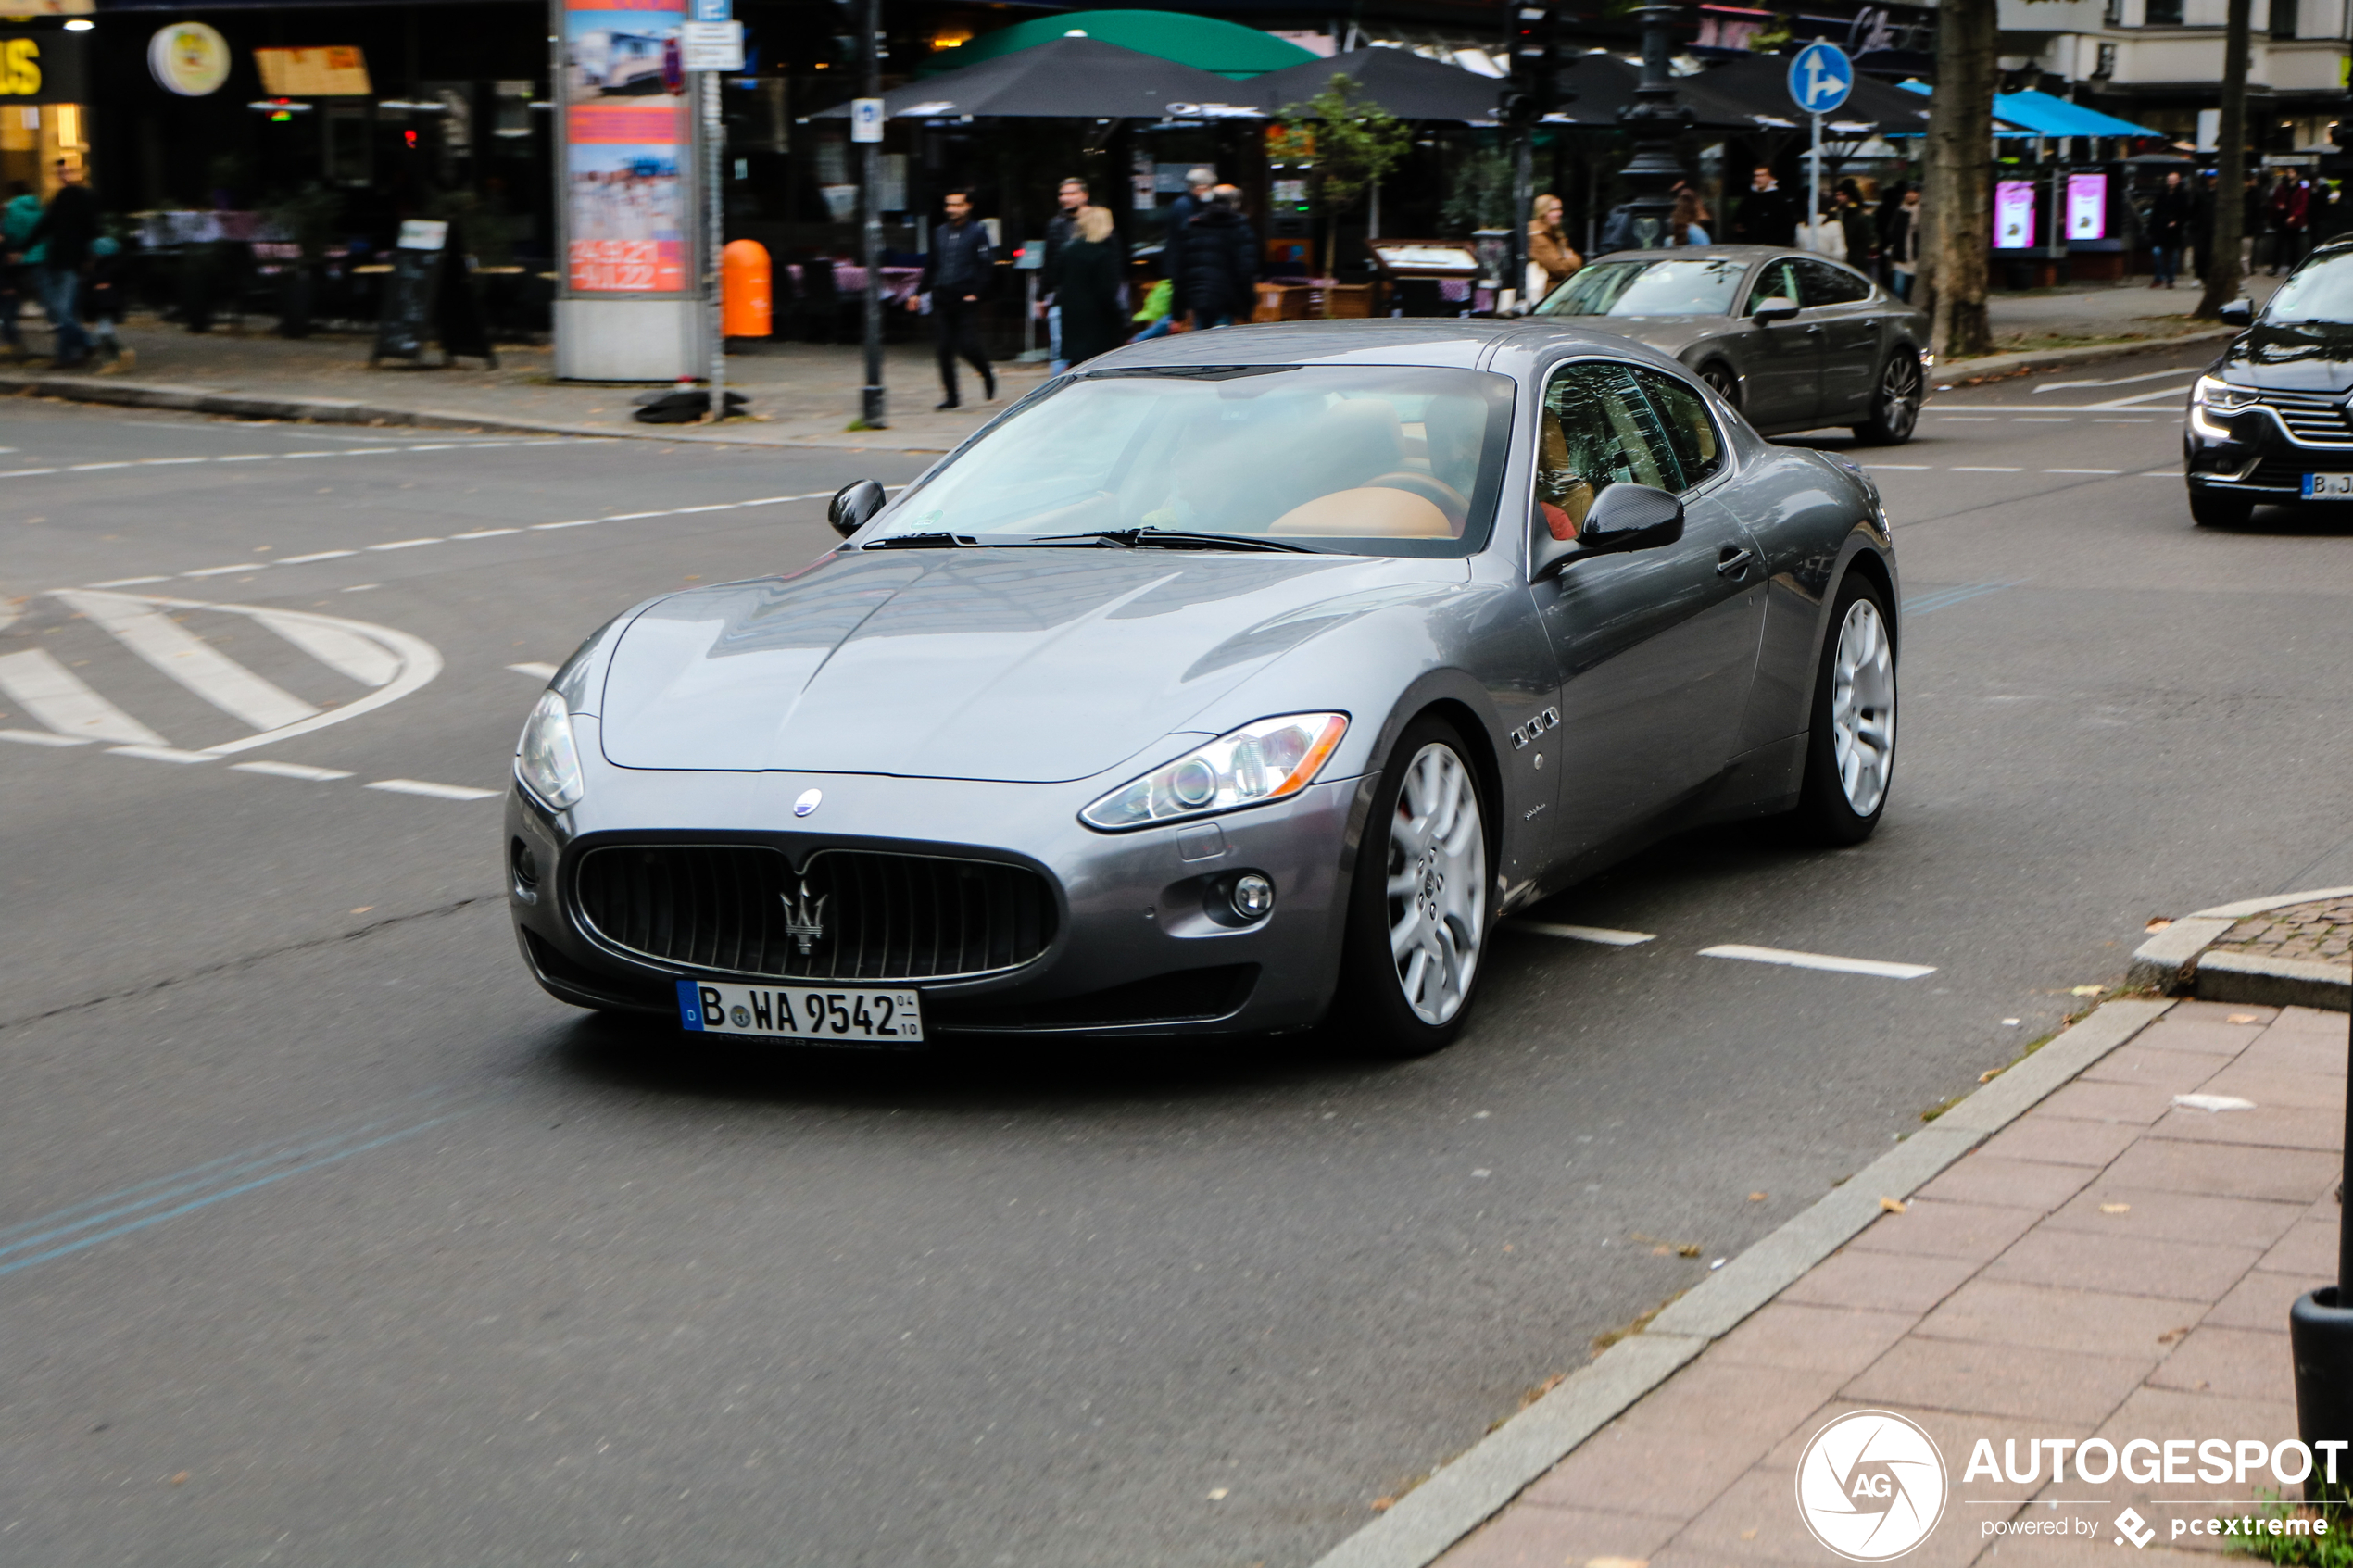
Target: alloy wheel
1899 396
1862 707
1437 883
1723 383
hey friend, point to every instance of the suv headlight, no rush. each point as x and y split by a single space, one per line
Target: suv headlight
1263 760
547 759
2211 392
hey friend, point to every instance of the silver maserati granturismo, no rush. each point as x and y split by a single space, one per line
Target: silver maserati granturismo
1235 682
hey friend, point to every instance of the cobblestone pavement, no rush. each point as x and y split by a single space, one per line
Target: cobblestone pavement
2322 932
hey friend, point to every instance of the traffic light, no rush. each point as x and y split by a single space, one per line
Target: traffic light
1536 53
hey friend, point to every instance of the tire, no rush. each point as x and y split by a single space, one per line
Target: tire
1421 876
1850 745
1719 378
2210 508
1895 406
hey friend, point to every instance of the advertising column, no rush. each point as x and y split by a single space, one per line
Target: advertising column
627 306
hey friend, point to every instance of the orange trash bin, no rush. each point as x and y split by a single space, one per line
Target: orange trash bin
745 285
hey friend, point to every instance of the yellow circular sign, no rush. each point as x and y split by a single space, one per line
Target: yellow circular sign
189 58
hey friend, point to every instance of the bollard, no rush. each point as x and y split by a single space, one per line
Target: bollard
744 289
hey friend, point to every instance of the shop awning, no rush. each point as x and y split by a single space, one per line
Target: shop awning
1207 43
2042 114
1066 78
1408 85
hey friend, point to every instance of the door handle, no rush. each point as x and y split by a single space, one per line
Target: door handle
1733 561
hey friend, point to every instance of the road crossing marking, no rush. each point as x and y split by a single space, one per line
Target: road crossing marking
130 582
1783 955
292 770
536 672
290 560
180 653
158 753
364 659
2119 380
40 738
1959 469
66 703
437 791
1600 934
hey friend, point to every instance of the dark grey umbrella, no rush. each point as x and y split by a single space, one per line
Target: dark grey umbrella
1066 78
1408 85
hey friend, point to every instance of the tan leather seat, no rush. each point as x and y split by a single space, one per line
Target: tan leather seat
1376 511
1573 497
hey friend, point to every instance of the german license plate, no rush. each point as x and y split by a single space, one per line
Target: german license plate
791 1012
2328 486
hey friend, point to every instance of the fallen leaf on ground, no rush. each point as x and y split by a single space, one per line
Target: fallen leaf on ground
2157 925
1662 1251
1757 1197
1893 1205
363 909
1382 1505
2245 1018
181 1479
1217 1493
1989 1074
2116 1209
1687 1250
2085 990
2170 1334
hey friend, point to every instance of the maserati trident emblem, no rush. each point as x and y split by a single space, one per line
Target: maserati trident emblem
804 922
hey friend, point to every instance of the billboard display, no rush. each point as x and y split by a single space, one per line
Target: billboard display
2013 215
2087 206
628 149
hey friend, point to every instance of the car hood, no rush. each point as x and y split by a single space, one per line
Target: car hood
1019 665
2293 356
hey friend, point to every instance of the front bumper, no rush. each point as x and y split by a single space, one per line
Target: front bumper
2251 454
1133 952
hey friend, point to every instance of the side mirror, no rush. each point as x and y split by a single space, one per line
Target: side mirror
854 506
2237 313
1780 307
1623 516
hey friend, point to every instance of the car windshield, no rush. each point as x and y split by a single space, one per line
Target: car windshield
2321 292
1363 459
1702 286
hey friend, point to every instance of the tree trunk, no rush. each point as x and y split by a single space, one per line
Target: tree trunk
2222 280
1959 175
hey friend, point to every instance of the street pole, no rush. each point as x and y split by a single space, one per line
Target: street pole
714 241
1814 189
1657 119
871 410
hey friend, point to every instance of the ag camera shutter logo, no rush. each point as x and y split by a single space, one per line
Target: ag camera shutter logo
1870 1485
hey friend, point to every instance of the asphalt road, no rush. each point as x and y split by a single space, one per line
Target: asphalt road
326 1238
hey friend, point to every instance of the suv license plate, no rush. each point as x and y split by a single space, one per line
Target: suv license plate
2328 486
882 1019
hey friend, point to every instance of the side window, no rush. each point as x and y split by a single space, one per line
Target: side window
1826 284
1690 432
1778 280
1597 430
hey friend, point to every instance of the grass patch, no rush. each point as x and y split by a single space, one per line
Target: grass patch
1603 1341
2333 1549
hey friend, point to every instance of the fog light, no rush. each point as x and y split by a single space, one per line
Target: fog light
1253 896
525 866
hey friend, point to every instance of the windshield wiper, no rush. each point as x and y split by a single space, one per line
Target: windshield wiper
1174 539
923 542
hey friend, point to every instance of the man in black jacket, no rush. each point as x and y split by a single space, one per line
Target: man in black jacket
1766 216
67 227
1061 229
1214 261
958 270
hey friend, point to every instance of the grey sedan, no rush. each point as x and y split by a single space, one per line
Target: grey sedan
1793 341
1237 681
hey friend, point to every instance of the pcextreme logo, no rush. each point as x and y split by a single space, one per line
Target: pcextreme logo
1870 1485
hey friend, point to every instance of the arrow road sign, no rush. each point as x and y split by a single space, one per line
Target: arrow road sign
1820 76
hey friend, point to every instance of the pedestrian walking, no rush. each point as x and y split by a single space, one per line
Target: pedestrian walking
1765 215
1551 260
1156 316
1683 226
1061 229
958 271
102 303
2291 220
67 226
1201 182
1857 226
1212 262
2169 220
1090 287
2255 211
1901 245
16 221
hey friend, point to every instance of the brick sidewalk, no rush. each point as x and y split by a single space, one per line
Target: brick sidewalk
2320 932
2111 1264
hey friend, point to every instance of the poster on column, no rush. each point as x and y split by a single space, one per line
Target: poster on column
2013 215
2087 206
628 147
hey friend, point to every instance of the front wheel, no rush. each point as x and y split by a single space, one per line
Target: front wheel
1417 914
2210 508
1850 745
1721 381
1895 408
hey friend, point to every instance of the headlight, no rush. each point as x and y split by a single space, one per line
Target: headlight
2221 397
546 759
1261 761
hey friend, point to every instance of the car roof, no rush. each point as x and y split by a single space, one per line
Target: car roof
1712 253
1466 342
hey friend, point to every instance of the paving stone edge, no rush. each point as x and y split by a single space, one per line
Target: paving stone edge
2176 960
1473 1488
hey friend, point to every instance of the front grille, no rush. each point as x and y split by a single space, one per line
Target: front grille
851 914
2315 419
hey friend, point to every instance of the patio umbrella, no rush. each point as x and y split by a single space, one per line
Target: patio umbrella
1065 79
1408 85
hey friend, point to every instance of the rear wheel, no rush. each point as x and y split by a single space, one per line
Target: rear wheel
2210 508
1725 384
1850 747
1417 914
1896 406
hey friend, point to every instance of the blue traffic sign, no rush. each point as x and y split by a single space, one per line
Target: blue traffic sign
1820 76
713 10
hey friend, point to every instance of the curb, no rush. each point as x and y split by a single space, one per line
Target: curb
348 411
2175 960
1473 1488
1986 367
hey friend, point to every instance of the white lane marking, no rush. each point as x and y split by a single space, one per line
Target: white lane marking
165 463
224 571
363 658
157 753
182 655
292 770
1819 961
436 446
2123 421
359 587
1958 469
483 534
437 791
2145 397
577 523
2082 470
1966 418
35 737
2031 419
130 582
320 555
247 458
297 456
93 468
64 702
1601 934
1909 468
2121 380
25 473
536 672
404 545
